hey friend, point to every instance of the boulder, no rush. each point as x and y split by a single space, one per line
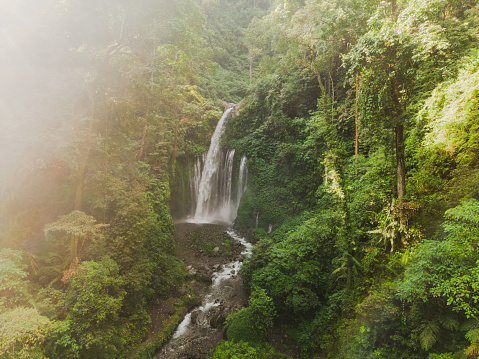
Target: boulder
181 291
194 316
217 316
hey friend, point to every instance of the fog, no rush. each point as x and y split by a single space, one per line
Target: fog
50 53
37 84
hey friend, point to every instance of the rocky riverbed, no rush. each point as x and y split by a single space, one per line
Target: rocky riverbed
212 258
205 247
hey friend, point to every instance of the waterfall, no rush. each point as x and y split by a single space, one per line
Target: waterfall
195 177
211 181
242 179
242 184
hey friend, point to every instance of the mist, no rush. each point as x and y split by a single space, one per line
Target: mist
51 52
38 85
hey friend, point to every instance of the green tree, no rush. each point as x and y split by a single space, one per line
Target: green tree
22 331
13 283
253 323
93 326
444 273
74 227
296 272
231 349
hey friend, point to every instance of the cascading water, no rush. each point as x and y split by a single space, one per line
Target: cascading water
242 184
242 179
221 289
195 178
211 182
214 201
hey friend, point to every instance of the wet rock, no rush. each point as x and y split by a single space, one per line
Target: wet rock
199 347
205 279
194 316
206 329
181 291
217 316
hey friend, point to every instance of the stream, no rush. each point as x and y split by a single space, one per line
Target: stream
214 199
201 328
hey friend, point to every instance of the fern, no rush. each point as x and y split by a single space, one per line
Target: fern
473 335
472 350
429 334
450 323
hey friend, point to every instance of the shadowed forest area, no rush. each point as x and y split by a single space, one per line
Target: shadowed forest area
360 123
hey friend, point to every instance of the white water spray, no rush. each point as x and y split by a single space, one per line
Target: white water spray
209 175
211 183
227 271
213 200
195 178
242 179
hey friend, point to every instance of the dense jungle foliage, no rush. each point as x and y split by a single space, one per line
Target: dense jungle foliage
360 121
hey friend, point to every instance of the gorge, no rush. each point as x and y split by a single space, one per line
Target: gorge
214 201
351 163
213 198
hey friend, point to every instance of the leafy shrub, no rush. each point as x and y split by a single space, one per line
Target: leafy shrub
441 356
296 273
23 331
148 350
233 350
13 286
240 326
93 327
253 323
448 268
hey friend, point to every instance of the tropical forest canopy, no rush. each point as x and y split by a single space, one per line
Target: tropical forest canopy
360 122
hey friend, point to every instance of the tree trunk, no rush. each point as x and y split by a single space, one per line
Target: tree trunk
175 149
394 9
175 144
142 145
400 162
81 174
74 248
250 69
401 181
356 143
86 151
318 74
84 159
